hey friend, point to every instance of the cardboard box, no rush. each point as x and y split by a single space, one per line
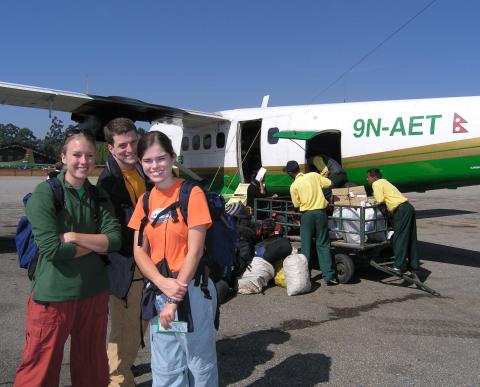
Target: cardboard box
352 196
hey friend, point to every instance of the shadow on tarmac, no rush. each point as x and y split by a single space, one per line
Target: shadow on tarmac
304 369
7 245
439 212
238 356
446 254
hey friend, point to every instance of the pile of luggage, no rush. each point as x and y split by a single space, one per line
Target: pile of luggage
263 254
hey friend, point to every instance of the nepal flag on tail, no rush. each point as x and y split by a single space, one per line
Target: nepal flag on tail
457 124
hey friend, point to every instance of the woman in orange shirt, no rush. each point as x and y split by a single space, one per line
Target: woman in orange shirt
178 359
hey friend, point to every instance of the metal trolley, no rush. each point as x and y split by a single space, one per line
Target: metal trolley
356 239
348 232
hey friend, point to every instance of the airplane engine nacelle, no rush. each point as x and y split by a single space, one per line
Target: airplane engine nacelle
173 131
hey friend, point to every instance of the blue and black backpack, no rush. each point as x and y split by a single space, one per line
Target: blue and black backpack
220 241
27 249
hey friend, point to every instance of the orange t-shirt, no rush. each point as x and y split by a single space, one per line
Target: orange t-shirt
175 246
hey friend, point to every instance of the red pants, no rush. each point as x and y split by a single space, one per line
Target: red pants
47 328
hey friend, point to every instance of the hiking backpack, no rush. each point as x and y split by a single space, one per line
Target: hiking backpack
220 241
27 249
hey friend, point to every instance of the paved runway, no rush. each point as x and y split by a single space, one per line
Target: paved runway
371 332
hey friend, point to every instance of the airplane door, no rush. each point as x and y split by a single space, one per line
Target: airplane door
249 149
326 142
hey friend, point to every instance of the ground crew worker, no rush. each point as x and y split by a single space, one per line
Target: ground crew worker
124 181
404 224
331 169
257 190
307 195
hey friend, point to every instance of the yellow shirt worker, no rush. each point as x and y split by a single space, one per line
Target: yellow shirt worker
307 195
404 222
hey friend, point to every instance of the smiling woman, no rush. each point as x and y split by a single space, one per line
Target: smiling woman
78 156
70 286
170 261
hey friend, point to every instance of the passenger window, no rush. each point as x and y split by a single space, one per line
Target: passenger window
207 141
220 140
196 142
270 138
185 143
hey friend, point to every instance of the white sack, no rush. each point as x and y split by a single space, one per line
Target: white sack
255 278
351 223
381 224
296 274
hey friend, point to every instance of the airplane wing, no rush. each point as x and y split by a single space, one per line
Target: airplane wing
95 111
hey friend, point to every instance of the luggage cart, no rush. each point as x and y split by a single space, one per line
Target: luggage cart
351 235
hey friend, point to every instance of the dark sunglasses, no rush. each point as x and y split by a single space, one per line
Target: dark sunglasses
73 131
76 130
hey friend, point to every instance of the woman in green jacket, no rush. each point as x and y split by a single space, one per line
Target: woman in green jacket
69 294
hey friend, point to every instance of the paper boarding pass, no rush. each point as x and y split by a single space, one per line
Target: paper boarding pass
260 174
175 327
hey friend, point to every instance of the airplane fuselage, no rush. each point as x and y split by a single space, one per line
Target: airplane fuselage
419 144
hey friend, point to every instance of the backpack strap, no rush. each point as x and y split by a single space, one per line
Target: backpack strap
145 202
146 210
95 196
58 194
184 197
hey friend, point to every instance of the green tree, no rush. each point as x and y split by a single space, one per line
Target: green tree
8 133
141 132
26 138
53 141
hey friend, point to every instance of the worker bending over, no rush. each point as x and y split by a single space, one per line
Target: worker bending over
404 223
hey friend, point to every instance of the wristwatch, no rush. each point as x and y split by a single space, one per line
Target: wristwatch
171 301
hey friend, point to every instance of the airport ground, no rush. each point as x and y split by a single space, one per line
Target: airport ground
372 332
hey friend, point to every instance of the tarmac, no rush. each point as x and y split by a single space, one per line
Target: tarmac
371 332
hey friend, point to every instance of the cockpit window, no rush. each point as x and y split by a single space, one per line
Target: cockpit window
185 143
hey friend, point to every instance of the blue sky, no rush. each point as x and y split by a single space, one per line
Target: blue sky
215 55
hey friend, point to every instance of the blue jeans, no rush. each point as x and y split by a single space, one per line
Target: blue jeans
187 359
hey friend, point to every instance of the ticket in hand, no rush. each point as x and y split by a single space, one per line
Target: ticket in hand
175 327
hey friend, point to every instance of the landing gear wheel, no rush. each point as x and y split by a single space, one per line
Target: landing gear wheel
344 267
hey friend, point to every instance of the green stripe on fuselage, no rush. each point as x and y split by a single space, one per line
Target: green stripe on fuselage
417 175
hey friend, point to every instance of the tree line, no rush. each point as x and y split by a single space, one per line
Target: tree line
51 144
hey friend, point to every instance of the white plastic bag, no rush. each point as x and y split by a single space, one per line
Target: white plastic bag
378 224
349 226
256 277
297 274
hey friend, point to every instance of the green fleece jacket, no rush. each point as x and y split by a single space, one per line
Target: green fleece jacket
60 276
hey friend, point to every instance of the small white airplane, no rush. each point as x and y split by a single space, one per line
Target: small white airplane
419 144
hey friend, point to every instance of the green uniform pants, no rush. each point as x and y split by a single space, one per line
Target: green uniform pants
314 223
405 237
